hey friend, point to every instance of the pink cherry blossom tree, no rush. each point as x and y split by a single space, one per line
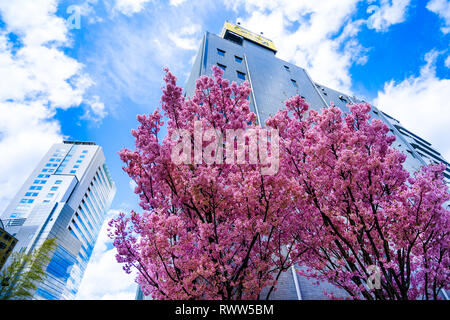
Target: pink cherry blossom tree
338 202
208 231
368 226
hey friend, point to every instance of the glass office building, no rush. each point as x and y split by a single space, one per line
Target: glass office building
66 197
244 55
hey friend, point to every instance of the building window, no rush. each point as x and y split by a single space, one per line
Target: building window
49 195
79 161
220 52
240 75
233 37
50 170
221 66
82 156
294 83
27 201
43 176
76 166
84 151
46 201
31 194
6 236
342 98
238 59
44 170
287 68
53 188
73 171
58 181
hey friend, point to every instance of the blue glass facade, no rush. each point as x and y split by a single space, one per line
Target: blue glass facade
70 205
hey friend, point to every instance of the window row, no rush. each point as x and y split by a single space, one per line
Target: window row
239 74
221 52
35 194
293 81
51 164
42 182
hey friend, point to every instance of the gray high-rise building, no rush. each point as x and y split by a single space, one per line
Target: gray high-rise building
244 55
66 197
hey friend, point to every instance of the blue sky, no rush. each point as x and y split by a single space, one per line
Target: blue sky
89 83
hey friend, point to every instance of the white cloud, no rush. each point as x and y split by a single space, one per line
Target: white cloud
129 7
35 20
26 134
104 278
447 62
87 10
319 36
187 37
176 3
442 9
119 65
421 104
388 13
97 110
127 61
37 79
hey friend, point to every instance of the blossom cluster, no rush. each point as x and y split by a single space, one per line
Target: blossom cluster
339 203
